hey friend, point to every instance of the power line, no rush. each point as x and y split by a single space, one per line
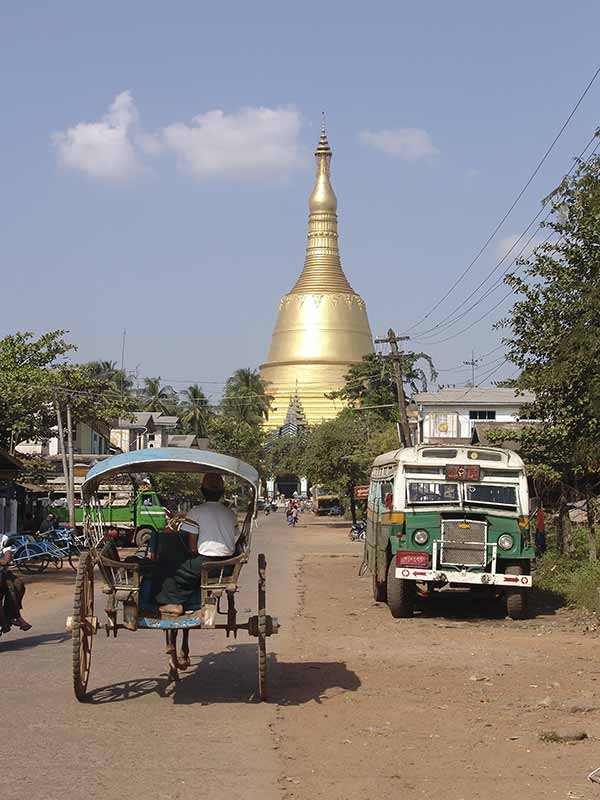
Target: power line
518 197
449 319
428 341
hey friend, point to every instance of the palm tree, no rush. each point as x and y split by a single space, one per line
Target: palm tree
195 411
156 397
109 371
246 396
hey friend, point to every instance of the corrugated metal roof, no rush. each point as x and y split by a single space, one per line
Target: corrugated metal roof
466 396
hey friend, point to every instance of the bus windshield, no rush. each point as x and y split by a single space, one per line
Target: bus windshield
488 494
433 492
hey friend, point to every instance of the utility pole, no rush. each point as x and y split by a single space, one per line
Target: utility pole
63 455
472 363
395 356
71 496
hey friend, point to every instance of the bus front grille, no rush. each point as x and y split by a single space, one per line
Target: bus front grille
463 543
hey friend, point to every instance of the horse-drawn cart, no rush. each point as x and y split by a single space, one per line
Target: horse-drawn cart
130 586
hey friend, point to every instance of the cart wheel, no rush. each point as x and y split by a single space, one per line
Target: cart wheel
262 627
31 562
82 631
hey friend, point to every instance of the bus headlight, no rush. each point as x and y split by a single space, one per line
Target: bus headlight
420 537
506 541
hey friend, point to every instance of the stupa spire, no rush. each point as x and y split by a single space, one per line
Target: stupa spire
322 266
322 326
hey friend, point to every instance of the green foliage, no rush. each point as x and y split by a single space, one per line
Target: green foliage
118 379
158 397
285 454
175 485
194 412
246 398
340 452
555 336
34 374
371 383
237 438
576 580
26 385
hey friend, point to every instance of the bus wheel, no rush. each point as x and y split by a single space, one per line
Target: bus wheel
400 594
142 537
379 590
516 599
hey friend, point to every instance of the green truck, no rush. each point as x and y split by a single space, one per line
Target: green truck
134 518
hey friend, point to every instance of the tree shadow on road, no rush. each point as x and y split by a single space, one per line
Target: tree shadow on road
24 642
230 676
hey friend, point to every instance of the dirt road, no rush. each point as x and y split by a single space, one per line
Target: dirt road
362 706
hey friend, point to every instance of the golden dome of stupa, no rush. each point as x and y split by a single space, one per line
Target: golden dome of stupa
322 326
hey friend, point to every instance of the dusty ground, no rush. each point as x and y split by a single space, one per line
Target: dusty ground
449 704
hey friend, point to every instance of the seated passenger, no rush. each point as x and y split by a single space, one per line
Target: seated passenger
216 537
12 590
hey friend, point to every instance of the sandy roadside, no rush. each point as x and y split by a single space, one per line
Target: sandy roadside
448 705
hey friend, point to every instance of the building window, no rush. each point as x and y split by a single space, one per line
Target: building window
480 415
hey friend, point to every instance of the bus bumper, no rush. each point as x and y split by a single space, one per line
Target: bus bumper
464 577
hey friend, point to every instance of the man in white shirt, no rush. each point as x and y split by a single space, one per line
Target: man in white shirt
12 590
212 534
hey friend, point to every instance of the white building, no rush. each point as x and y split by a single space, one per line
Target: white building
145 429
90 438
453 413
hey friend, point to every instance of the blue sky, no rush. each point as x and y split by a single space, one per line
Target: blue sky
119 211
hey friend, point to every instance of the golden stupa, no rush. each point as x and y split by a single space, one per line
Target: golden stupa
322 326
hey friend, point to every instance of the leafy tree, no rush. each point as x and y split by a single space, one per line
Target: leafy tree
237 438
194 411
34 375
340 452
371 383
157 397
177 486
555 339
246 398
285 454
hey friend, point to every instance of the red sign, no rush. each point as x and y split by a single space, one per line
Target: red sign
361 492
462 472
407 558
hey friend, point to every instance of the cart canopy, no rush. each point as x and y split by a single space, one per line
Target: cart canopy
167 459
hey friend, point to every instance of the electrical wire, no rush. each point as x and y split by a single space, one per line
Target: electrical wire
449 319
514 203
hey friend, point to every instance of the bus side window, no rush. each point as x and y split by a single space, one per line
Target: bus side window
387 489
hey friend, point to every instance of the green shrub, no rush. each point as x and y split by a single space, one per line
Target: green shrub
575 579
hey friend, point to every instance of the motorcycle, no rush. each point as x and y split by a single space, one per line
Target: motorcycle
358 531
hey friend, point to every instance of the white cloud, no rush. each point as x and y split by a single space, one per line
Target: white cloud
509 247
103 149
250 143
409 144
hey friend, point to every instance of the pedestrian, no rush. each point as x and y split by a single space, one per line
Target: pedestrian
540 532
49 524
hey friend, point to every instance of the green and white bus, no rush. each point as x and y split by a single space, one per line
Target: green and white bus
444 517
